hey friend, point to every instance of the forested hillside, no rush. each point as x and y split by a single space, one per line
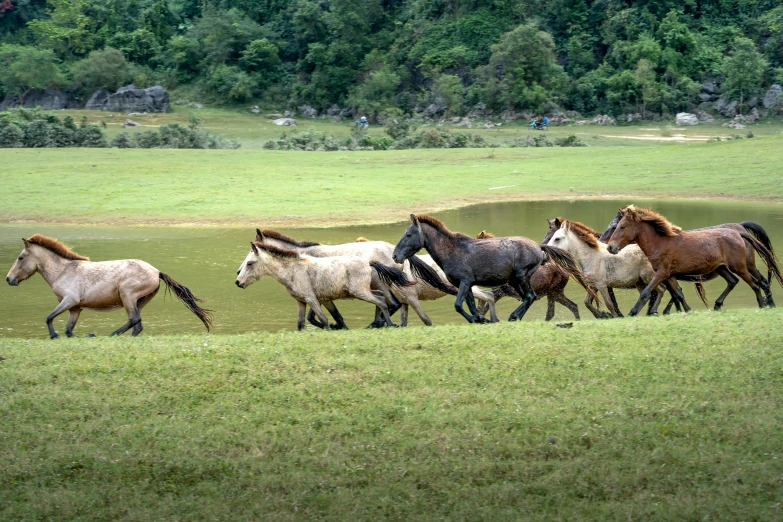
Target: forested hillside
607 56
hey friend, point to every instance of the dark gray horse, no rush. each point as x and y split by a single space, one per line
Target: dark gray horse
485 262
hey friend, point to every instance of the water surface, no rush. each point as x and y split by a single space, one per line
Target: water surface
206 260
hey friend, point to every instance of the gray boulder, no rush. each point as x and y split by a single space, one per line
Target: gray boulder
603 119
307 111
285 122
129 98
705 97
97 100
773 97
634 117
726 108
433 109
130 123
709 87
686 118
704 117
334 110
48 99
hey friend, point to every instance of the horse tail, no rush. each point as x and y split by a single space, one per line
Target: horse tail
504 291
702 293
766 255
565 261
391 275
423 272
759 233
186 296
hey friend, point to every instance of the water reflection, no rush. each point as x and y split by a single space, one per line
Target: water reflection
206 260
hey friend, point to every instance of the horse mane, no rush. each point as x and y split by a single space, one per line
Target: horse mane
277 252
441 227
55 247
660 224
362 239
274 234
585 233
485 235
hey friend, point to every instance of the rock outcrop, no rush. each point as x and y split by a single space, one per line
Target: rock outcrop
129 98
97 100
603 119
773 97
48 99
686 118
285 122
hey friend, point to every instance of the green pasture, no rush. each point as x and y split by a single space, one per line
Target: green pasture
165 186
666 418
252 130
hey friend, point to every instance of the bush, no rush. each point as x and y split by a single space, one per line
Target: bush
432 139
38 134
569 141
123 141
147 140
399 128
11 136
62 136
90 136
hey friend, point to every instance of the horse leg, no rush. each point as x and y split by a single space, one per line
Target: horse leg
732 281
300 323
645 294
416 304
313 320
744 273
615 311
597 313
762 282
522 286
550 308
464 290
404 315
612 299
675 290
72 318
472 307
64 305
316 307
563 300
338 318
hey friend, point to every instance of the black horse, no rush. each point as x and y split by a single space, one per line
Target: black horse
751 227
485 262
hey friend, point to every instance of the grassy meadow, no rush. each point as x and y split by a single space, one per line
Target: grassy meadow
669 418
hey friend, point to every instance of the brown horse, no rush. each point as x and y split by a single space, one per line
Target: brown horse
80 283
548 281
674 252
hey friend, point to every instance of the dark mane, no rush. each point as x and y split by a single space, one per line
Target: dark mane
585 233
559 221
440 226
277 252
274 234
55 247
660 224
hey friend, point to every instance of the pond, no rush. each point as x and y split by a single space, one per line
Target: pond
206 260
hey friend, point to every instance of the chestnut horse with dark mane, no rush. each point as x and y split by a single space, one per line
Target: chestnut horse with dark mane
484 262
676 252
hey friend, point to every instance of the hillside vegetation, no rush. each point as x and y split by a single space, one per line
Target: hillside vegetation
389 56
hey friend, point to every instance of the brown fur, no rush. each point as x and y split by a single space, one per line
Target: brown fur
274 234
583 232
362 239
277 252
55 247
440 226
485 235
661 225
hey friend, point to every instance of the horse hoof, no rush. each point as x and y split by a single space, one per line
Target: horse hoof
91 335
55 336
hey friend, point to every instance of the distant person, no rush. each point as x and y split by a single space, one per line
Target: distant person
363 122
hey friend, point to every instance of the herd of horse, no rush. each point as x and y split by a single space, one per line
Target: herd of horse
639 249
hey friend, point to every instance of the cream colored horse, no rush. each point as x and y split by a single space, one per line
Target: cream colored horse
602 270
316 280
80 283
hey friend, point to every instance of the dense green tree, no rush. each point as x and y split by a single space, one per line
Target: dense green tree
68 30
106 68
23 69
744 69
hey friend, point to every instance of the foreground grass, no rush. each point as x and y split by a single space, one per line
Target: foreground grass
238 187
652 419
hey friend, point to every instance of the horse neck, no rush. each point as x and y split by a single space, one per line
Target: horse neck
50 265
437 243
277 268
579 248
648 240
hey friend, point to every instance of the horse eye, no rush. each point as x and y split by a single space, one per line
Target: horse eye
250 263
557 239
622 227
408 235
19 258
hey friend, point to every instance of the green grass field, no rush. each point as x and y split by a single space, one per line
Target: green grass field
164 186
670 418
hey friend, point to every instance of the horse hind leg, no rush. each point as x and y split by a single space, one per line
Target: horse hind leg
550 308
64 305
72 318
732 281
763 283
522 285
572 306
335 313
752 283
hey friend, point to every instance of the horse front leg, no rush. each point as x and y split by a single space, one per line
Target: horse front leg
338 318
300 323
522 285
464 290
472 307
614 310
72 318
597 312
316 307
64 305
645 294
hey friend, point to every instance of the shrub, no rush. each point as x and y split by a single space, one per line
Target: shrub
432 139
147 139
542 141
90 136
569 141
123 141
62 136
38 134
398 128
11 136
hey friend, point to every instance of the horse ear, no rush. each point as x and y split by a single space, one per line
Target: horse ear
259 236
549 221
26 242
254 247
414 220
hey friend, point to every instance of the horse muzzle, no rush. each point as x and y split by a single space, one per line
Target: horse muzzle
613 249
13 281
240 285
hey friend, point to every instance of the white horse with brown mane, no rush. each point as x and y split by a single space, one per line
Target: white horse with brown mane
602 270
313 281
80 283
427 279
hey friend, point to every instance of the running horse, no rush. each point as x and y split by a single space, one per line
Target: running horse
80 283
484 262
675 252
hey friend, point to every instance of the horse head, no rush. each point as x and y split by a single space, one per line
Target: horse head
26 264
559 237
248 272
412 241
624 234
611 228
554 225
